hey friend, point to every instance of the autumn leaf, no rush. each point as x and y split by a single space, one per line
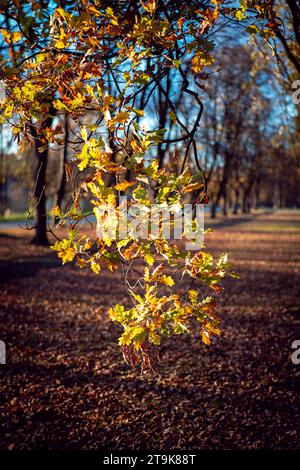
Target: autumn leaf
121 117
157 271
200 60
167 280
62 40
149 6
123 185
205 337
11 36
172 116
180 23
193 186
149 259
95 267
67 255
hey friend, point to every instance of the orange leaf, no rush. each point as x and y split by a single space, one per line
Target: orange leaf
205 337
123 185
149 6
180 23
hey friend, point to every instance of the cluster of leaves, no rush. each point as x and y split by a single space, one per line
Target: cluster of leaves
83 49
155 261
66 70
153 316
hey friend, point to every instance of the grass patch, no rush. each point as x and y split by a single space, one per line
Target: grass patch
15 217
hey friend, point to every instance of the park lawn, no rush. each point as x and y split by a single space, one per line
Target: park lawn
65 384
15 217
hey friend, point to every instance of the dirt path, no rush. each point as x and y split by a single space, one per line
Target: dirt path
65 384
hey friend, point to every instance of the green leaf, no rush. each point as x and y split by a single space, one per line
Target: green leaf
154 338
179 328
140 195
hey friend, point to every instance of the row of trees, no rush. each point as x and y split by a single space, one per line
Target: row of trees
246 140
246 135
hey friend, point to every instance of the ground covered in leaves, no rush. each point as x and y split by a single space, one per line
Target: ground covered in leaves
65 385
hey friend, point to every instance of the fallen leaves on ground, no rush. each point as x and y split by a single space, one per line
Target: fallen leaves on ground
65 385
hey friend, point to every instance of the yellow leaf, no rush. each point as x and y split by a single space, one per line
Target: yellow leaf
138 112
84 134
193 296
111 266
56 211
9 109
200 60
60 12
95 267
11 36
88 244
110 13
58 104
205 337
62 40
154 338
60 44
167 280
67 255
214 329
93 10
149 259
84 157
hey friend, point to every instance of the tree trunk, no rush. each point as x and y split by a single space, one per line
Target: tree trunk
236 201
257 195
221 192
281 196
245 204
3 182
215 203
41 151
213 210
223 184
225 212
62 171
